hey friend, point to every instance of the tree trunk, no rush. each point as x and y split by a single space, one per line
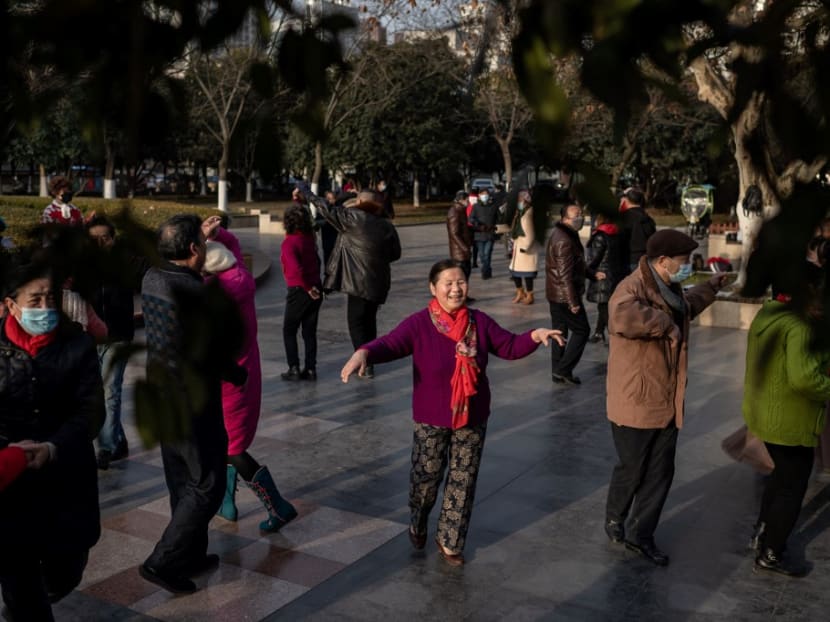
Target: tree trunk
222 183
416 192
249 191
203 188
43 190
504 145
318 167
109 171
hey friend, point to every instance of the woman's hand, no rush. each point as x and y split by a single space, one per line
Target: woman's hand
544 335
210 225
357 363
37 454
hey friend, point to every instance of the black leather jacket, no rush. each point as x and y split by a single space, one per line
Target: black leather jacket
604 256
360 261
565 269
55 396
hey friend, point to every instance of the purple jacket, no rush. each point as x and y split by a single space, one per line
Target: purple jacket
433 363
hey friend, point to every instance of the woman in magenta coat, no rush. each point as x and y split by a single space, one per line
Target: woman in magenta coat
241 404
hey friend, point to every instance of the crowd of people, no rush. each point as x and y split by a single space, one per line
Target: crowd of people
67 330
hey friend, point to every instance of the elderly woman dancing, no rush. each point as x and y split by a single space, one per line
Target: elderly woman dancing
450 345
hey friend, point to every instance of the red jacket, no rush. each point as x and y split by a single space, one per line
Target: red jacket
300 263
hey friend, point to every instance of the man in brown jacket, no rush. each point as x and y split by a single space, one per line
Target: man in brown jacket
460 235
648 325
565 274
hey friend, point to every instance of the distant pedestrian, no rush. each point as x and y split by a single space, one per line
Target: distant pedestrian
604 255
460 235
637 226
483 219
61 211
525 259
565 274
386 199
450 345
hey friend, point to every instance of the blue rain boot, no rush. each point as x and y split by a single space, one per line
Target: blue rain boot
228 510
280 511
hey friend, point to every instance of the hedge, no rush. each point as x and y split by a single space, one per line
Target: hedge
22 213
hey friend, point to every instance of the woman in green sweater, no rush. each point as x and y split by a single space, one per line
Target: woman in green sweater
785 391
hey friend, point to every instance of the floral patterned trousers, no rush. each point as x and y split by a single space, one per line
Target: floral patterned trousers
432 449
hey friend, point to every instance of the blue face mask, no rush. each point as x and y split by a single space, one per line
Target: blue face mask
38 321
682 274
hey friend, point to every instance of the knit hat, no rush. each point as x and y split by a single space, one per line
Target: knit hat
218 258
12 464
669 243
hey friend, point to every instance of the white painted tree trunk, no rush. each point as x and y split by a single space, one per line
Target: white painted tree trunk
222 195
203 186
416 193
249 191
109 188
315 188
43 191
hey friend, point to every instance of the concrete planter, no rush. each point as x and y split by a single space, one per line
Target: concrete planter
730 312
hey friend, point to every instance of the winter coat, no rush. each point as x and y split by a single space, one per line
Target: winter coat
114 298
604 256
55 396
525 248
460 235
637 228
360 261
786 384
241 404
483 221
648 352
565 268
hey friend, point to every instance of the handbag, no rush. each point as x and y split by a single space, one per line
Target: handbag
743 446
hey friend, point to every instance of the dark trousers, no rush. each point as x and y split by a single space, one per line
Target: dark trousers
362 317
602 317
195 473
474 251
784 492
433 448
485 254
30 582
300 310
642 477
575 328
517 281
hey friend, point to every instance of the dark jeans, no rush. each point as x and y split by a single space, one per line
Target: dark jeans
29 582
195 473
362 317
474 251
575 328
602 317
642 477
485 254
300 310
784 492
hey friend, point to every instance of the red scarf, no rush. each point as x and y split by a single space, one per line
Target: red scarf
459 327
23 340
608 228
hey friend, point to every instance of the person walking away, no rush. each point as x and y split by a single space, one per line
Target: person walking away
525 249
603 256
648 325
785 396
483 218
193 332
637 226
241 404
565 274
460 235
301 270
450 346
113 300
51 408
360 264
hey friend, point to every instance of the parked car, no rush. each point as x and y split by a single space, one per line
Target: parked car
482 183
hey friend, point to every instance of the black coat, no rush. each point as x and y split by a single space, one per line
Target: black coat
637 228
360 261
114 294
604 255
56 396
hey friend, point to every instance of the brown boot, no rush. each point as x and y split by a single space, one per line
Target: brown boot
520 294
528 298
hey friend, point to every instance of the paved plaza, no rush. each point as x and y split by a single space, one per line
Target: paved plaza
536 548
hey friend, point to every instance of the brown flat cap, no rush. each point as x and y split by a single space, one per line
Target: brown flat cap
669 243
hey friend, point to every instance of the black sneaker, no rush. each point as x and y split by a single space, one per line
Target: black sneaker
177 584
771 561
563 379
648 550
308 374
103 459
615 530
293 373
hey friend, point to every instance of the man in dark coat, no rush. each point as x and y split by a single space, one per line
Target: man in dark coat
637 226
565 274
360 264
483 220
193 334
460 235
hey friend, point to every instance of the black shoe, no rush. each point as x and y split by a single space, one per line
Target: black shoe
648 550
615 530
293 373
563 379
121 451
103 459
308 374
369 372
176 584
596 338
419 541
772 561
756 543
197 567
